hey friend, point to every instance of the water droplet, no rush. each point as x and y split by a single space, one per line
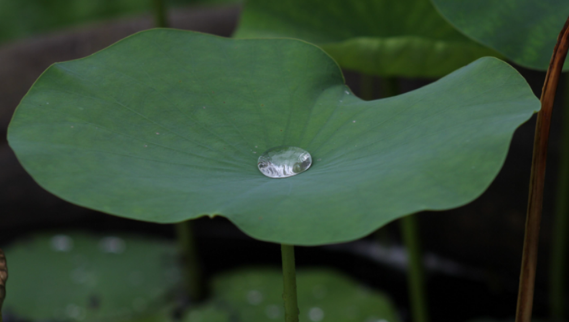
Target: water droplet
157 133
47 103
145 146
315 314
204 107
61 243
284 161
273 311
112 244
71 126
354 121
347 93
254 297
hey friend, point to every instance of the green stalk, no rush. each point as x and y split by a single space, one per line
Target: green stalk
192 273
160 14
415 273
558 278
289 283
411 240
366 87
389 87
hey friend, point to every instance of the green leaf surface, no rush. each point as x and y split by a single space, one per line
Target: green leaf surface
382 37
524 31
167 126
255 295
83 277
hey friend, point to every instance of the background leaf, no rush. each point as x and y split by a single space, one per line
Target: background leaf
386 38
83 277
255 295
524 31
167 125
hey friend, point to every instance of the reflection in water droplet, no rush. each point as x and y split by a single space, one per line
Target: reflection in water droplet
315 314
273 311
61 243
112 244
254 297
284 161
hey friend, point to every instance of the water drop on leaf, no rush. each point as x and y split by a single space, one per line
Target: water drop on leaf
284 161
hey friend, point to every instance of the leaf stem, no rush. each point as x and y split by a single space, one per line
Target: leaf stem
289 283
535 202
3 279
160 14
366 87
411 240
558 278
192 272
389 87
416 273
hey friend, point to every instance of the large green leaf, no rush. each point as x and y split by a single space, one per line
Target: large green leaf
255 295
167 125
525 31
383 37
82 277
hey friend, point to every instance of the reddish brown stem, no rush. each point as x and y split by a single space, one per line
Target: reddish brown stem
529 258
3 279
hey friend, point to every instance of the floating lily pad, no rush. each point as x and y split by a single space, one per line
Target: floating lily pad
255 295
386 38
167 126
525 31
84 277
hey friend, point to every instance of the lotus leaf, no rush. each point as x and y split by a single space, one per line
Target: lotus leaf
525 31
167 125
386 38
75 276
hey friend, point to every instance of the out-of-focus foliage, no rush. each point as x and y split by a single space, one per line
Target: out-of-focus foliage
83 277
405 38
24 18
524 31
255 295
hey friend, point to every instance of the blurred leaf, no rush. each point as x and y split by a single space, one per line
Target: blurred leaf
24 18
83 277
525 31
386 38
167 126
255 295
